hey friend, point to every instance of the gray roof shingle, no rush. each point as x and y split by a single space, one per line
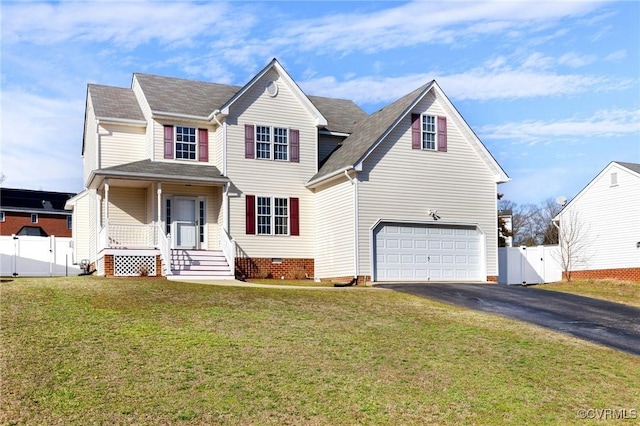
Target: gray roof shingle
181 96
114 102
156 170
631 166
367 132
198 98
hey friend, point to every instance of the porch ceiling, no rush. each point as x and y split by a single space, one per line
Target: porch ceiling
156 171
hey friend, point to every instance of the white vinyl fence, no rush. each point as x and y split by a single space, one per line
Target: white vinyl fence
23 256
529 265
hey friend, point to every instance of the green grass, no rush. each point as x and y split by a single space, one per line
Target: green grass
89 350
627 292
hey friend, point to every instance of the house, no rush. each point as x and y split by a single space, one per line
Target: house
188 178
601 225
34 213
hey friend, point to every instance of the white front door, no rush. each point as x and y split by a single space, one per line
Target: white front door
185 223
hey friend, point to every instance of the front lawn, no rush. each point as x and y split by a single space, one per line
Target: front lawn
89 350
627 292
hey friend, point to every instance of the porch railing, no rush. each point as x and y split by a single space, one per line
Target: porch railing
137 236
228 246
164 243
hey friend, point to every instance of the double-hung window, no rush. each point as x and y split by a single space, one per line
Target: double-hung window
185 143
272 143
263 142
272 215
429 132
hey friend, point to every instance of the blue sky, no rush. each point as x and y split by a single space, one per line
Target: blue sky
552 89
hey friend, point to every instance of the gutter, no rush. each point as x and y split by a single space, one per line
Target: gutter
322 178
356 261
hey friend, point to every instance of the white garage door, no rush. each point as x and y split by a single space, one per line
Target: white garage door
406 252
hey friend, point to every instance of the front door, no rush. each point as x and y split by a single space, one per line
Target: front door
185 223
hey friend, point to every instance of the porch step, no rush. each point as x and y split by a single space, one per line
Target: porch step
200 264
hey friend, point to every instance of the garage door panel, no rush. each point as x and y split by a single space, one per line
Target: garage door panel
427 252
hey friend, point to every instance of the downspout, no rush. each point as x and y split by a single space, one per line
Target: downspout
356 261
225 192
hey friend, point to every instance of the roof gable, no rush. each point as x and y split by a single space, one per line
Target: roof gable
368 135
634 168
320 120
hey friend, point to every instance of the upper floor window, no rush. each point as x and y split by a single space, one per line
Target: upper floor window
614 179
428 132
272 143
1 216
34 218
186 143
69 222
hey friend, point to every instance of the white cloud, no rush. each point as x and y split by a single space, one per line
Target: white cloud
606 123
575 60
41 142
617 55
426 22
126 24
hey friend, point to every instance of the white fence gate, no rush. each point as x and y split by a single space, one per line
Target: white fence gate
23 256
529 265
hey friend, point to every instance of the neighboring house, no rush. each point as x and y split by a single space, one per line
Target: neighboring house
605 216
200 179
34 213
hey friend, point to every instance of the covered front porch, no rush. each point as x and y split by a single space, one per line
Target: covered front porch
162 211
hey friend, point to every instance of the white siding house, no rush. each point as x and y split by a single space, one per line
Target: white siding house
188 178
607 215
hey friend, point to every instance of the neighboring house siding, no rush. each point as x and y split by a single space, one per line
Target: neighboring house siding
609 217
94 227
90 143
121 145
52 224
269 177
399 182
334 230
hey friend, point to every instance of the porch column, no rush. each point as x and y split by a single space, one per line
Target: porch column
225 208
159 191
106 203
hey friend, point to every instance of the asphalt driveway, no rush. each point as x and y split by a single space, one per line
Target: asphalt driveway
607 323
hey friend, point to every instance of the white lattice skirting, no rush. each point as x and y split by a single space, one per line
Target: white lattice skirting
134 266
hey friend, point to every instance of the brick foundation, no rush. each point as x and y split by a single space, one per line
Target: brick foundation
108 265
261 267
492 278
625 274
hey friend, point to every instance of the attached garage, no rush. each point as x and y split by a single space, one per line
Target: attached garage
428 252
